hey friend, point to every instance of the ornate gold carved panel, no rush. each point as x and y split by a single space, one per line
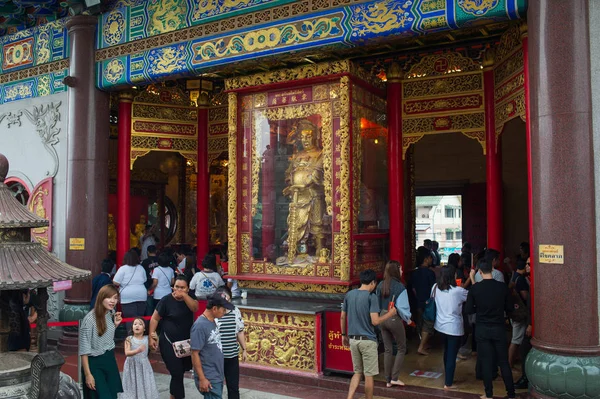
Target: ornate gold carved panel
449 84
232 189
279 339
343 240
295 287
163 120
442 64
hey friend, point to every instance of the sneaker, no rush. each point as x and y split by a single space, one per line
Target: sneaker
522 383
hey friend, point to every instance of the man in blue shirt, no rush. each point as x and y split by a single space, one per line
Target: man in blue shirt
207 349
361 308
101 280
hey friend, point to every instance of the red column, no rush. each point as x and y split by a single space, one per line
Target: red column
203 186
123 175
395 164
525 42
493 163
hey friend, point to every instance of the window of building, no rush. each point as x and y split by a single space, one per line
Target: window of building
450 212
449 235
458 235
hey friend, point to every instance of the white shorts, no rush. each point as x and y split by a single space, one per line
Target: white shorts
518 332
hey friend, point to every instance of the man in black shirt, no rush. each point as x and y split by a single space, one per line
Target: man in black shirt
421 281
489 299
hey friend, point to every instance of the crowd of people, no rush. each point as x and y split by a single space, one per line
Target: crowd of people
193 325
468 297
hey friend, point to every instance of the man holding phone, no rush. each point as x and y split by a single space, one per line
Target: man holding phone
361 309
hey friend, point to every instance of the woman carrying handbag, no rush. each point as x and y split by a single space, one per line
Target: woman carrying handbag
175 313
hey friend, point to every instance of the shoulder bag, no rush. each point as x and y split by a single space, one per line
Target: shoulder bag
181 348
430 310
520 311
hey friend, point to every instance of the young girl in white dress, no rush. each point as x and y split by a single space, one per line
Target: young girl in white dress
138 377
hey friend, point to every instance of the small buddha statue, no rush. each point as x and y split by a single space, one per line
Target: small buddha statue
324 255
140 230
112 233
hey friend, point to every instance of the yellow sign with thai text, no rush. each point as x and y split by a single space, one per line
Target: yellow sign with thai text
552 254
76 244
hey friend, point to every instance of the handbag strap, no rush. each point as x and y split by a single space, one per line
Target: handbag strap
164 274
433 292
131 278
167 337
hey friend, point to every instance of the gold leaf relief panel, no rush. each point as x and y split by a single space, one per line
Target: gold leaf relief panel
283 75
440 124
511 66
280 339
294 287
344 216
442 85
232 188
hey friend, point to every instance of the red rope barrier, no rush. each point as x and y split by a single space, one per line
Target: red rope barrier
76 323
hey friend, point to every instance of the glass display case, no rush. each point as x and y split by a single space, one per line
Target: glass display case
309 174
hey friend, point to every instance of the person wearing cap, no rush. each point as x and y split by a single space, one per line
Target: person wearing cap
207 349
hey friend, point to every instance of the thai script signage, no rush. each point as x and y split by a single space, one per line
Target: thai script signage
552 254
337 356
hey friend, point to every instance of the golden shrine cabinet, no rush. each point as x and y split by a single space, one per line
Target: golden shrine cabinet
307 200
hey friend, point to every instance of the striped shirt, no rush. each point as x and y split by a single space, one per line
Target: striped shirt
89 342
229 327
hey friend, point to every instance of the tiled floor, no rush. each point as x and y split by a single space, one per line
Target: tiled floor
258 387
464 375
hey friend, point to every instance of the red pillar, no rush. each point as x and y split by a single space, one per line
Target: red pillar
493 163
123 175
395 165
203 186
525 42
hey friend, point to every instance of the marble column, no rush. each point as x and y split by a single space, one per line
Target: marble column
87 170
566 355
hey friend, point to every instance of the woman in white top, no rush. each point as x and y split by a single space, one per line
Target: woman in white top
448 319
207 281
163 277
130 279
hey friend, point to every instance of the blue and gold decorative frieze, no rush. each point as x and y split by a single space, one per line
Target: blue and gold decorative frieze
296 34
386 17
38 86
331 30
166 16
115 27
477 7
32 47
154 17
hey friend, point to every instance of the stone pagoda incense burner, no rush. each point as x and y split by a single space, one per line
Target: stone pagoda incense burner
26 265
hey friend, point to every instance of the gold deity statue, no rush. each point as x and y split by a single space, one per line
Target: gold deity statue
304 177
112 233
140 230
